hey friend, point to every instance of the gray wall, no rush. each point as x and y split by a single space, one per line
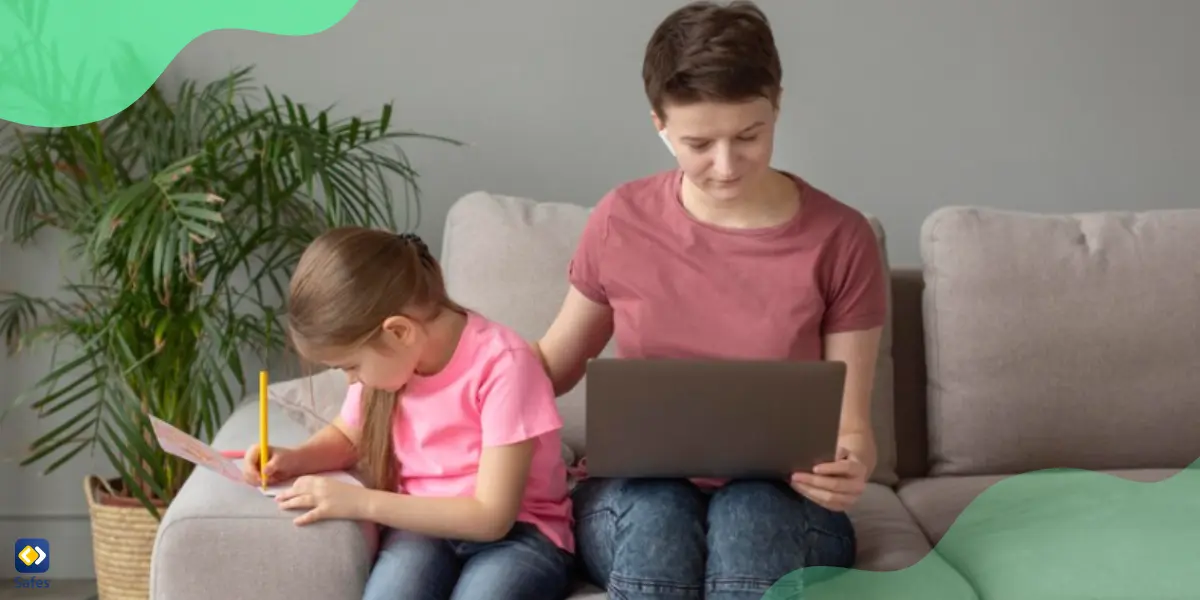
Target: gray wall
895 107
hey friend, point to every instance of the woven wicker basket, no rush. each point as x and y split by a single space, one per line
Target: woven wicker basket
123 533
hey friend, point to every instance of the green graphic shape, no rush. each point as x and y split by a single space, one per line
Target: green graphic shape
70 62
1060 534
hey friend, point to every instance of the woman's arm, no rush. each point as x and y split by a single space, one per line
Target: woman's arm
486 517
579 332
860 351
837 485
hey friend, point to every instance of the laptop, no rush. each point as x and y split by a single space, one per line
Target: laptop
711 418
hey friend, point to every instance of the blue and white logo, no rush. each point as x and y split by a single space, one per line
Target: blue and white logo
32 555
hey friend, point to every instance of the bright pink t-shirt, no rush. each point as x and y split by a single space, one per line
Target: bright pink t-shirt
493 392
682 288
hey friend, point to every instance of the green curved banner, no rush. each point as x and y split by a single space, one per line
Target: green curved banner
69 62
1056 534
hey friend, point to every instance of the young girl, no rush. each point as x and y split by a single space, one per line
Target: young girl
450 418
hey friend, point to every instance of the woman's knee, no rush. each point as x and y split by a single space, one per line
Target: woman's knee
799 533
642 536
640 508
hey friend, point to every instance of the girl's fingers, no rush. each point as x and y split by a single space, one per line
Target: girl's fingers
253 459
290 500
250 465
254 470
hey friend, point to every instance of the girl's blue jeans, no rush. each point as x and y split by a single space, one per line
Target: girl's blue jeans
525 565
668 539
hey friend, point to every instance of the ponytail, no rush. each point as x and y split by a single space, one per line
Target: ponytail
376 452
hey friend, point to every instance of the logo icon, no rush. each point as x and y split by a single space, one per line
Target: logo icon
32 555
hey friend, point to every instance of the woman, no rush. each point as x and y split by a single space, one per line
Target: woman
724 257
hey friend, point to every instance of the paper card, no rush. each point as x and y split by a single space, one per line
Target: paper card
176 442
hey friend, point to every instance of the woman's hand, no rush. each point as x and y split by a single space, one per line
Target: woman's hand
836 485
324 498
282 464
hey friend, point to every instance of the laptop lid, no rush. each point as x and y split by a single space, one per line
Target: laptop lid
711 418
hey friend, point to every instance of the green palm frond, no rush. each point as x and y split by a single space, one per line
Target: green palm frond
187 215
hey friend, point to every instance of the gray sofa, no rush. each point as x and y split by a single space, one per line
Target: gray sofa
1022 342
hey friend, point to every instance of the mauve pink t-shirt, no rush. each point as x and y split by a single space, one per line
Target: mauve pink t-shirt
493 392
682 288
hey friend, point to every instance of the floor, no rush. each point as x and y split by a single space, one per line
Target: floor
60 589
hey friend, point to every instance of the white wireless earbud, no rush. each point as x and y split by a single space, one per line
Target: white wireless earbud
662 134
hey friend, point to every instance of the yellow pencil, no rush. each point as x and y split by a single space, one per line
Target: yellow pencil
262 427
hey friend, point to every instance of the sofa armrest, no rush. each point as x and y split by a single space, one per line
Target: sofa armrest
219 539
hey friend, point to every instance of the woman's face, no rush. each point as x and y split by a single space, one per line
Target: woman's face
722 148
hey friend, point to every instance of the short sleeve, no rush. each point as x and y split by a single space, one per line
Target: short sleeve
584 271
857 294
516 400
352 406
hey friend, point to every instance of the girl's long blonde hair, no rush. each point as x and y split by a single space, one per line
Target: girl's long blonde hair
348 281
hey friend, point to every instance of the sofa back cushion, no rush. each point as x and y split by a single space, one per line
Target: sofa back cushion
507 258
1061 340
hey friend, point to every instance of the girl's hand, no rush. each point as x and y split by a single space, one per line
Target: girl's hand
282 464
324 498
835 486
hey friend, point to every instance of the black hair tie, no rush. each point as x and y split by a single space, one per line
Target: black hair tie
419 244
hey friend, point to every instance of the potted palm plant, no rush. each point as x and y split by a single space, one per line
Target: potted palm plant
185 215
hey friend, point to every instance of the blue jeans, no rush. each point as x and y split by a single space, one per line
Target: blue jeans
656 538
525 565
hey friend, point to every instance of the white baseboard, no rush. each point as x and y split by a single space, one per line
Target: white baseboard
70 540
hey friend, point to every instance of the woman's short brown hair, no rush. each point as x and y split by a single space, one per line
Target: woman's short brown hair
708 52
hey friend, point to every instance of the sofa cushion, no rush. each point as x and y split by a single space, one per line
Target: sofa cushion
1061 340
507 258
889 538
1065 533
935 502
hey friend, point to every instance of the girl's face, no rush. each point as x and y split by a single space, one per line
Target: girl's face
386 362
722 148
